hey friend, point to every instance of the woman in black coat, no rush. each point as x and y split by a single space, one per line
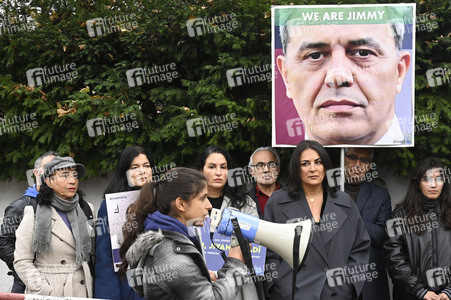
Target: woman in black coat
418 253
337 262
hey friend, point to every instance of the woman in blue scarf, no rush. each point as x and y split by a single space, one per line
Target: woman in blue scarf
165 260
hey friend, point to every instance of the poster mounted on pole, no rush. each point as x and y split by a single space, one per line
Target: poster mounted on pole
343 75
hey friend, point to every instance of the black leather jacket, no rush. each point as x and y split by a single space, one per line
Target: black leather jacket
11 221
418 263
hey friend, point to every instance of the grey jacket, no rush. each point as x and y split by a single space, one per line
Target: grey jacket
339 243
167 265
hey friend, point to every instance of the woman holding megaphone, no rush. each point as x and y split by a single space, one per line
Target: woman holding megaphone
165 260
337 263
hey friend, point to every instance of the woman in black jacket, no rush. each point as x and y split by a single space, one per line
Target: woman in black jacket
418 253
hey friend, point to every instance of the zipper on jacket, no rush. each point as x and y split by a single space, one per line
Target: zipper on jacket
434 247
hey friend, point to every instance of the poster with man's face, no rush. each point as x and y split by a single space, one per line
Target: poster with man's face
343 75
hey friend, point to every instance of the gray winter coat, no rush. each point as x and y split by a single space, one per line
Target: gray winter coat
339 243
167 265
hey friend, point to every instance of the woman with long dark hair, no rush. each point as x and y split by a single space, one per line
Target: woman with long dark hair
418 253
165 260
215 162
133 170
339 252
53 245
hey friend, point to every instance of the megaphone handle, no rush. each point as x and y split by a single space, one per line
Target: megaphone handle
247 257
244 246
296 242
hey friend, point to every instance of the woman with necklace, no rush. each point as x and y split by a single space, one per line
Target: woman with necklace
417 253
340 242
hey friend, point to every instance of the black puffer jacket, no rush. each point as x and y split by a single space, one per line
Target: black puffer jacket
418 263
11 221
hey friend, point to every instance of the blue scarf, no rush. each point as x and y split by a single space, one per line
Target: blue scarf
157 221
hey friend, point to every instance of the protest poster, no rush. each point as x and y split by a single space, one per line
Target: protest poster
213 257
117 205
343 75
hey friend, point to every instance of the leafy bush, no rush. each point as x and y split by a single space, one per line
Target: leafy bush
156 35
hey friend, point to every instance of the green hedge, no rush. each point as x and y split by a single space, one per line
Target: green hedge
156 35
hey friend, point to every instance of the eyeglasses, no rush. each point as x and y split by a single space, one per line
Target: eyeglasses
261 166
65 177
430 180
354 158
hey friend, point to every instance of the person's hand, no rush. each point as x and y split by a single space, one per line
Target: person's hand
235 252
213 276
443 296
431 296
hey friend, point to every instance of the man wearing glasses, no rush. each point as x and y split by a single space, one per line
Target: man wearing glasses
374 204
264 166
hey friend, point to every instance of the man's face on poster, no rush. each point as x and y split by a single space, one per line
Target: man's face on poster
345 75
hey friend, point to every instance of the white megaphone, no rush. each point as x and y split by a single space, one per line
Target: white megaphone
277 237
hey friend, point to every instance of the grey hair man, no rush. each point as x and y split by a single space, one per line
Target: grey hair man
13 216
264 166
347 77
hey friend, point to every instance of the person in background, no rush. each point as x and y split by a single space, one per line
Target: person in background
374 204
53 244
133 170
418 253
215 162
166 261
340 243
13 216
264 166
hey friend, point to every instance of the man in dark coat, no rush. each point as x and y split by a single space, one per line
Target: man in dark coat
13 216
374 204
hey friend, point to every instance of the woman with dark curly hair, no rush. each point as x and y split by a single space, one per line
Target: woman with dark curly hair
53 246
418 253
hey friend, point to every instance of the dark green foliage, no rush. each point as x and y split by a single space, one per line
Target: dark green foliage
162 108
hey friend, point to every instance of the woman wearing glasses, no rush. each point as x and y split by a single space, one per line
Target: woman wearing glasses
417 253
53 245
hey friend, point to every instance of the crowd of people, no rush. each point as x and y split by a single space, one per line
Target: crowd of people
50 242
